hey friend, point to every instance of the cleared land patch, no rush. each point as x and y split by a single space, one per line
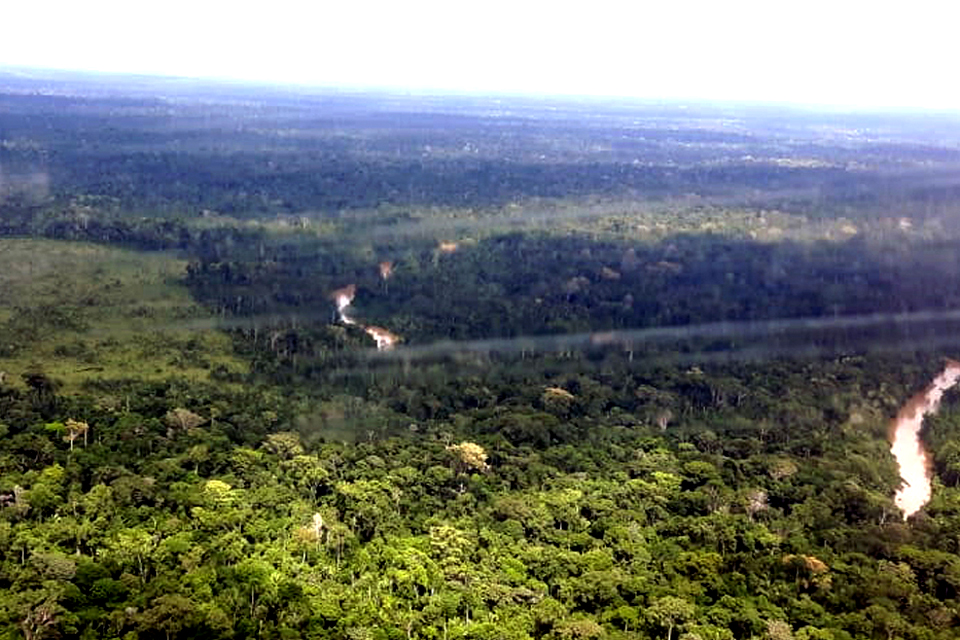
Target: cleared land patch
82 312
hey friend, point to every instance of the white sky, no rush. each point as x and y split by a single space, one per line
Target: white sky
865 54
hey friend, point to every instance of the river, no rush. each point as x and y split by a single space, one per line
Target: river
908 449
906 445
343 298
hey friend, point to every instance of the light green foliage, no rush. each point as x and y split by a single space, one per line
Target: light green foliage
286 445
619 533
670 613
91 312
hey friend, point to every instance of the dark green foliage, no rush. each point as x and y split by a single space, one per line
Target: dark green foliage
603 488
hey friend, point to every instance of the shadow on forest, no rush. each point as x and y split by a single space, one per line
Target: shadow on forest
688 298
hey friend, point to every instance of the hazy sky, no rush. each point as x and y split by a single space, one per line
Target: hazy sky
875 53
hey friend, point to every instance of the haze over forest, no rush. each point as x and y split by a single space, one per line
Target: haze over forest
283 362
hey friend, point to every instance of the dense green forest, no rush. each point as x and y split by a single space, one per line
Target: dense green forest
647 367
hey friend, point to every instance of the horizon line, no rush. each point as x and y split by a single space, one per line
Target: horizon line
319 86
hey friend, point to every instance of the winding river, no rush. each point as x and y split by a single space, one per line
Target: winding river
906 445
908 449
343 298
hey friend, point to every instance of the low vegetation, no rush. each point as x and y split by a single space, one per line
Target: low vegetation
80 313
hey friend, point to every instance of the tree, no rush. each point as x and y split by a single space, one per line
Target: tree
132 548
670 612
169 613
578 628
284 444
779 630
41 620
182 420
307 473
75 429
557 400
470 456
38 613
44 389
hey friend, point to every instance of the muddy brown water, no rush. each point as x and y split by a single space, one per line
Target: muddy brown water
906 446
